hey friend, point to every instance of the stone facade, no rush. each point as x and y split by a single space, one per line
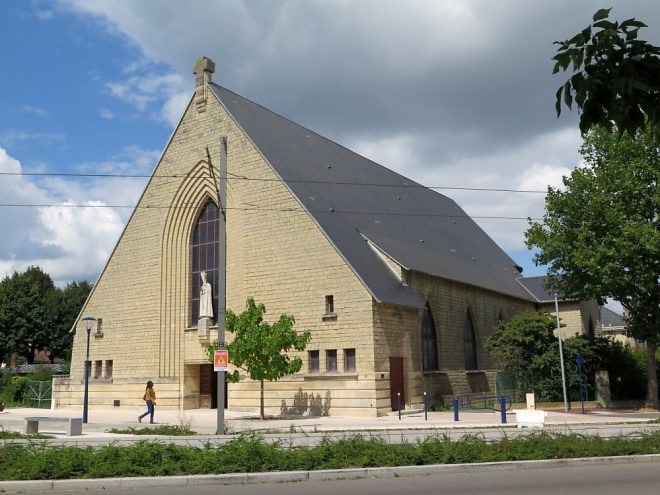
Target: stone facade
277 254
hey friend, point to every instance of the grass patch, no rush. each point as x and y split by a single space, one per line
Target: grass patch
252 453
169 430
16 435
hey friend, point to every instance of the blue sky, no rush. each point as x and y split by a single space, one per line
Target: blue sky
449 93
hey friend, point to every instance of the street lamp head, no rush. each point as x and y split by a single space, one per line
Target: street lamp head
88 322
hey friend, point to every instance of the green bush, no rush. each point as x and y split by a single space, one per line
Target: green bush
526 348
252 453
169 430
12 388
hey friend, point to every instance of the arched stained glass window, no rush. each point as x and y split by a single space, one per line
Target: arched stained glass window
429 342
469 343
591 332
204 246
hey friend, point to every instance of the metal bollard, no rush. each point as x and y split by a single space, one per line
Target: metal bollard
398 403
426 409
455 404
503 408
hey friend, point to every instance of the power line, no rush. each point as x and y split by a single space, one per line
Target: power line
276 210
258 179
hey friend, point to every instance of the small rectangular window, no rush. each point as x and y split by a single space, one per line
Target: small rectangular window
108 368
349 360
331 360
313 361
329 304
98 366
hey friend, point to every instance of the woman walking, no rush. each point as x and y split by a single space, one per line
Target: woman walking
150 398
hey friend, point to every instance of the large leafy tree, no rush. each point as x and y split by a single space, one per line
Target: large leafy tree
260 348
24 318
63 308
616 76
602 232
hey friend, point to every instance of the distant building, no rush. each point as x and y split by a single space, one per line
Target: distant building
578 317
613 325
397 284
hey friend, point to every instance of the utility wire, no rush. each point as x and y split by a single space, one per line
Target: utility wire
298 181
278 210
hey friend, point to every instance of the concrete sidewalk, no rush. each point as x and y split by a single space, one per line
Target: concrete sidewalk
203 421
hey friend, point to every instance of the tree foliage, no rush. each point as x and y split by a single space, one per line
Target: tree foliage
518 344
63 309
35 315
527 348
616 76
23 312
260 348
602 233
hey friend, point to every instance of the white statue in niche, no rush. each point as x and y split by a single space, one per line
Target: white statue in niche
205 298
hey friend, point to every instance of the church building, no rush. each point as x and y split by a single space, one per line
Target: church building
398 286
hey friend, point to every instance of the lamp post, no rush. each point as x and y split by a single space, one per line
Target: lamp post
561 355
88 365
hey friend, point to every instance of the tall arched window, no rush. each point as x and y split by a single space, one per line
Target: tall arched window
591 332
469 343
204 247
429 342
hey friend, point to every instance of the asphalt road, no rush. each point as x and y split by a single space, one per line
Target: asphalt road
640 478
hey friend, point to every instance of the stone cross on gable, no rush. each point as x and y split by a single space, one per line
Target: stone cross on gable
203 69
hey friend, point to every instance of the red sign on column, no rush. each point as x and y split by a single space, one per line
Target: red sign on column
221 360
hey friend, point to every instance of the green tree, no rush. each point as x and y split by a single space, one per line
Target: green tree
602 233
24 317
63 308
518 345
260 348
616 76
527 348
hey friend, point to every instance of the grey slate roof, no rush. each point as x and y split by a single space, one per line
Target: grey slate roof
610 320
536 288
421 229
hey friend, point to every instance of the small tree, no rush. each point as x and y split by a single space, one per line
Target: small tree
260 348
616 77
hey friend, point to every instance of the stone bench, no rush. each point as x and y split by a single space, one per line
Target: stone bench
73 425
526 417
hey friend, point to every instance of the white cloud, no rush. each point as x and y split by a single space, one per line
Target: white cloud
44 15
106 113
85 235
148 90
68 243
40 112
174 107
9 137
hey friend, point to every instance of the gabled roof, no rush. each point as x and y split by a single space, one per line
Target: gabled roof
354 199
610 320
535 286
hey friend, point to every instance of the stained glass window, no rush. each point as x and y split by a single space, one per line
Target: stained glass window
429 342
204 245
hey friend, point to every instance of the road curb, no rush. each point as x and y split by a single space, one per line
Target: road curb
294 476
